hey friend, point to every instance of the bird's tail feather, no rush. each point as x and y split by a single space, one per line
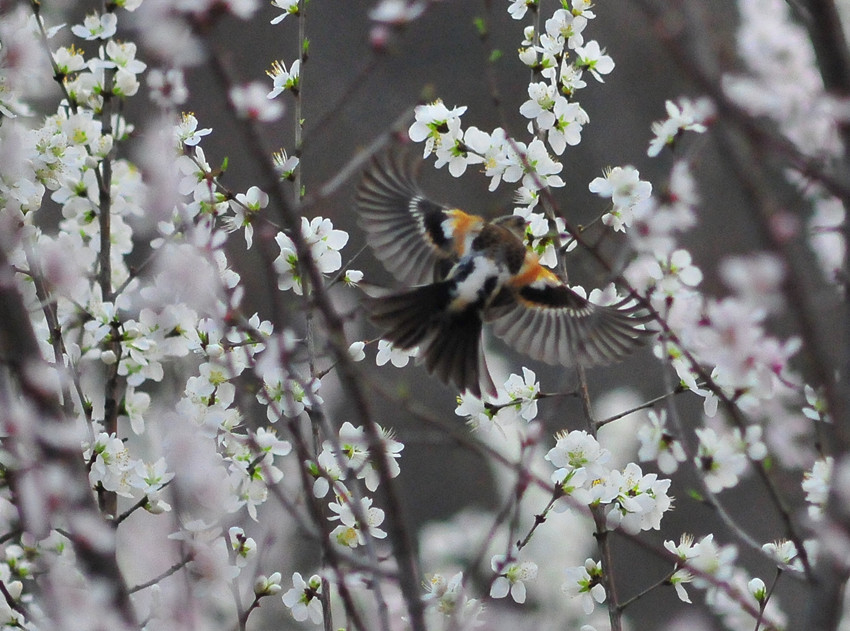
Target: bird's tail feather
450 342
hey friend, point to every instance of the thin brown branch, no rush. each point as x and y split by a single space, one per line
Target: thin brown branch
156 580
647 590
13 604
602 534
397 529
40 447
643 406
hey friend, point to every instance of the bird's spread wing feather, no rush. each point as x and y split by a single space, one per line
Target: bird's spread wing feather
405 228
550 322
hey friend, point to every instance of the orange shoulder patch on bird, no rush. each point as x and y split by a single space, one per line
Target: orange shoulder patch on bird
531 272
460 226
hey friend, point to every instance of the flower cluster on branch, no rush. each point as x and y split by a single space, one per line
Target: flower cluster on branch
170 451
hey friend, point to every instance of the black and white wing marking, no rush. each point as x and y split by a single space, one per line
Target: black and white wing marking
552 323
405 228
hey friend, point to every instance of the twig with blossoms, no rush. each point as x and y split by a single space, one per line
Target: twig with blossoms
60 350
331 320
540 179
84 519
103 177
728 403
329 553
225 345
41 292
763 140
351 498
506 568
736 529
603 539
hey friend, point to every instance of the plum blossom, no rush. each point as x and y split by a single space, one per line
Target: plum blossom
594 59
168 88
284 79
582 8
785 553
687 115
289 7
678 580
567 126
356 351
244 548
447 599
287 266
96 26
816 409
250 101
244 207
757 589
712 559
626 190
494 148
568 25
285 395
69 59
304 599
350 532
542 96
532 164
452 151
398 357
718 459
285 165
585 582
518 8
267 585
659 445
816 485
577 449
523 392
480 415
352 277
356 452
545 241
511 577
641 500
435 124
325 243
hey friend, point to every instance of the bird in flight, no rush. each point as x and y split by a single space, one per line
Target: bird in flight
462 271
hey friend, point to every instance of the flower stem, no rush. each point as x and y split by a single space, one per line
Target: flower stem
602 534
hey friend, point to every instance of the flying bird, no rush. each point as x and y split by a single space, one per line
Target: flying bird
463 271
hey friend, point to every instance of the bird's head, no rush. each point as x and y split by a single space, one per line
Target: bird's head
514 223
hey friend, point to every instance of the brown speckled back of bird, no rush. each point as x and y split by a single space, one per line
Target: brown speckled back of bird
501 244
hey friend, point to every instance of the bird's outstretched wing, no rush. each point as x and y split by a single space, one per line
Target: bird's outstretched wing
404 227
550 322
